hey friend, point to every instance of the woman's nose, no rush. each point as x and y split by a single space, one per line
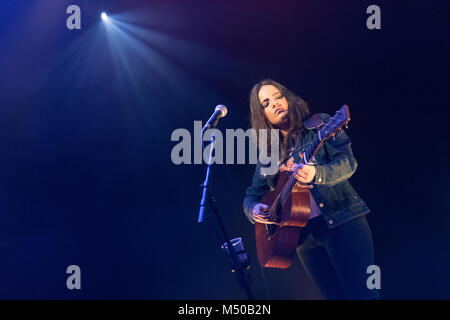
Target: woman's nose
273 102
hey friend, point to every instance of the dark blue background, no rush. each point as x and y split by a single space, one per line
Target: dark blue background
86 176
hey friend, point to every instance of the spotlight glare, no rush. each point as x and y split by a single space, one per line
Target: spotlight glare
104 16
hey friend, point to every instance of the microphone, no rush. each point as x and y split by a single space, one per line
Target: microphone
219 112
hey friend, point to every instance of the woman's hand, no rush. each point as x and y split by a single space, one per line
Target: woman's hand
261 213
304 172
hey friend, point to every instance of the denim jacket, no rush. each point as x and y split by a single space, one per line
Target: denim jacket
335 164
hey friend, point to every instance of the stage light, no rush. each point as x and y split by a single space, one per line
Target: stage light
104 16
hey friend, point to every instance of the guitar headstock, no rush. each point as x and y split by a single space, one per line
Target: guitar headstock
335 123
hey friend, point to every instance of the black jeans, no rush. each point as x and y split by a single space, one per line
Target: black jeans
337 259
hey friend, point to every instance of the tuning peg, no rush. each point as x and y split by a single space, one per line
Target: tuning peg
346 126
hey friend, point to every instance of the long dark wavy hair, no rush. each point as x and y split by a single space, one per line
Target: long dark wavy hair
297 112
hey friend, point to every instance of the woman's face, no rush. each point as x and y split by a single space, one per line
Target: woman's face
274 104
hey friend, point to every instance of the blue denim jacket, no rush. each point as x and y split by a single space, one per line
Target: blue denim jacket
335 164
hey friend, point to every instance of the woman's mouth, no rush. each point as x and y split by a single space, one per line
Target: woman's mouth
278 111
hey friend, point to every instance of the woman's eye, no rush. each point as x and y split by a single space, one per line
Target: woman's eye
279 97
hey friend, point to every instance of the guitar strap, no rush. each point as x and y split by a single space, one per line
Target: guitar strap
313 122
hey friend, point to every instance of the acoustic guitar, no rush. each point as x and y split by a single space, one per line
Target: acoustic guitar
289 207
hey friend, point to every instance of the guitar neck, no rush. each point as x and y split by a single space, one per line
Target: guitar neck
311 149
334 124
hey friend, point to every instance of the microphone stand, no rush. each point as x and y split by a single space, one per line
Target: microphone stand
237 265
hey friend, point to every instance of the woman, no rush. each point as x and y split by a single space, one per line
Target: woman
335 247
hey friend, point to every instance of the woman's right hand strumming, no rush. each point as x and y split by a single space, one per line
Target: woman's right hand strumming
261 213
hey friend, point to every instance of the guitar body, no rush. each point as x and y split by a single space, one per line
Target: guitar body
276 243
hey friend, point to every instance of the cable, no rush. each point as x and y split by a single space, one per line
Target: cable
265 282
